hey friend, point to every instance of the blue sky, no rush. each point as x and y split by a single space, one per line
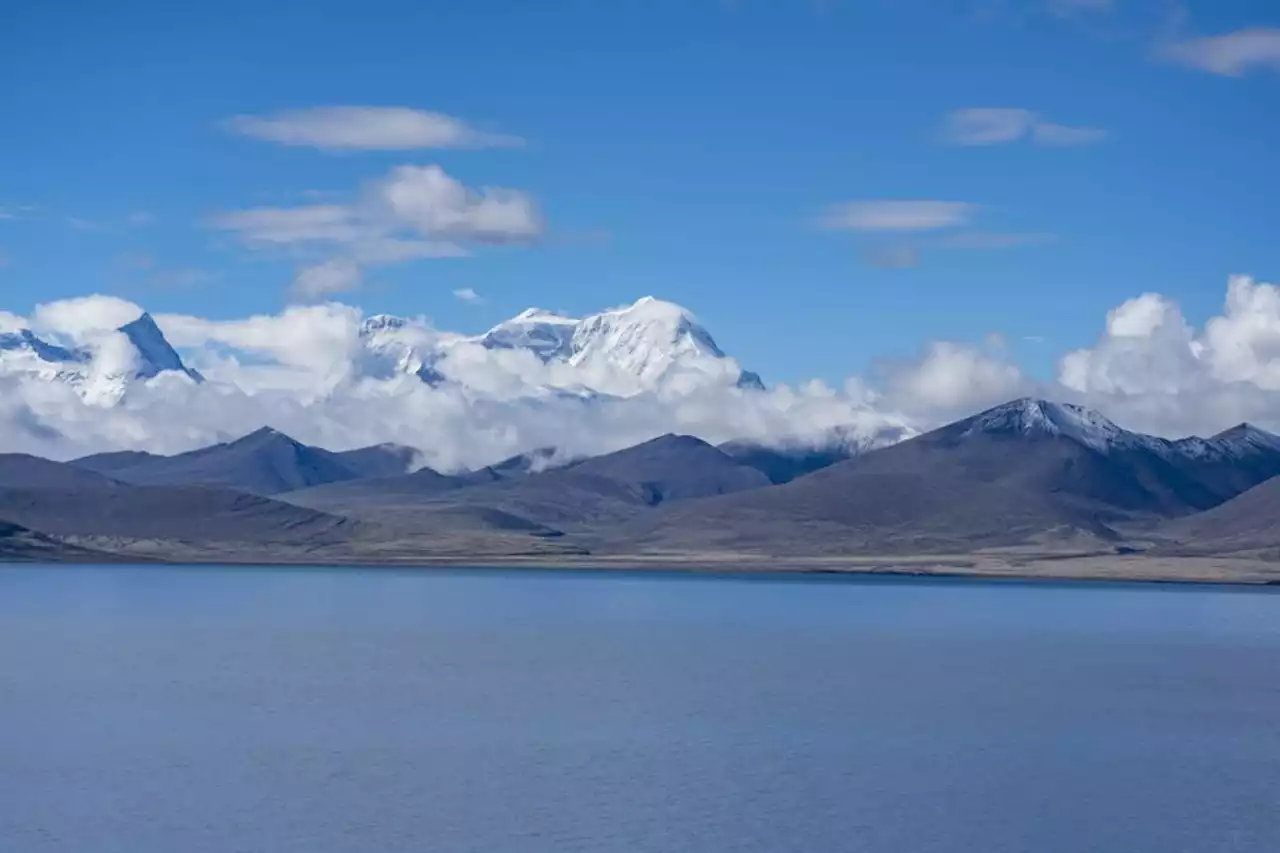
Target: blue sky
697 150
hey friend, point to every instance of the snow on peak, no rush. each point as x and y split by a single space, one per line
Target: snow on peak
544 333
1031 417
645 340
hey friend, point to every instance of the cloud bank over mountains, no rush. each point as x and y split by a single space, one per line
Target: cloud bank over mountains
82 375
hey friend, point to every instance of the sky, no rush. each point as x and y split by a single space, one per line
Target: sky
830 185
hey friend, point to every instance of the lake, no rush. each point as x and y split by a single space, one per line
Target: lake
209 710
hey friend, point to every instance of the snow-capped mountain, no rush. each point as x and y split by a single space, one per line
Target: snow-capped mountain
545 334
1032 418
652 340
639 348
155 354
100 372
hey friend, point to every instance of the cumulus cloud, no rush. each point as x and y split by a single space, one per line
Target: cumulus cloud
307 371
897 215
367 128
437 205
412 213
1230 54
1153 370
976 126
466 294
320 281
84 318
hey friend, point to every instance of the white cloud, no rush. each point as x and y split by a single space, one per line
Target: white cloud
412 213
466 294
323 280
1230 54
306 371
987 125
897 215
436 205
1001 125
316 223
353 128
952 380
1151 369
84 318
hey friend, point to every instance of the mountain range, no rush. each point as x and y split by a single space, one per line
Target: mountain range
620 352
1029 477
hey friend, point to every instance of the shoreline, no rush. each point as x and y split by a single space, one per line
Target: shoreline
1082 568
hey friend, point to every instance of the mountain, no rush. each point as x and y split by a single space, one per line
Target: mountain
620 352
265 462
1249 521
1027 471
155 354
185 513
23 353
22 471
381 460
650 341
601 489
783 464
547 335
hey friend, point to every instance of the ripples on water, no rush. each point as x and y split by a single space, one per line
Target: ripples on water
182 710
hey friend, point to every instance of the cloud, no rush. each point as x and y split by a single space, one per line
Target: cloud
951 380
316 223
323 280
306 370
365 128
987 125
1153 369
897 215
411 213
466 294
140 218
1230 54
436 205
84 318
978 126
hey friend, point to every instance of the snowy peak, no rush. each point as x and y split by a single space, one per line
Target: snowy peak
1247 437
25 341
155 354
1030 417
645 340
545 334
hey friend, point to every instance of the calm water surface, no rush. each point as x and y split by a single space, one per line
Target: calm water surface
164 710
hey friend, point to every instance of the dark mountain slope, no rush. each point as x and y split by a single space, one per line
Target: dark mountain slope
599 490
191 513
381 460
781 464
19 470
265 462
1022 472
120 460
1249 521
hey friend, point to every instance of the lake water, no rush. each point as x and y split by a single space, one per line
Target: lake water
206 710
